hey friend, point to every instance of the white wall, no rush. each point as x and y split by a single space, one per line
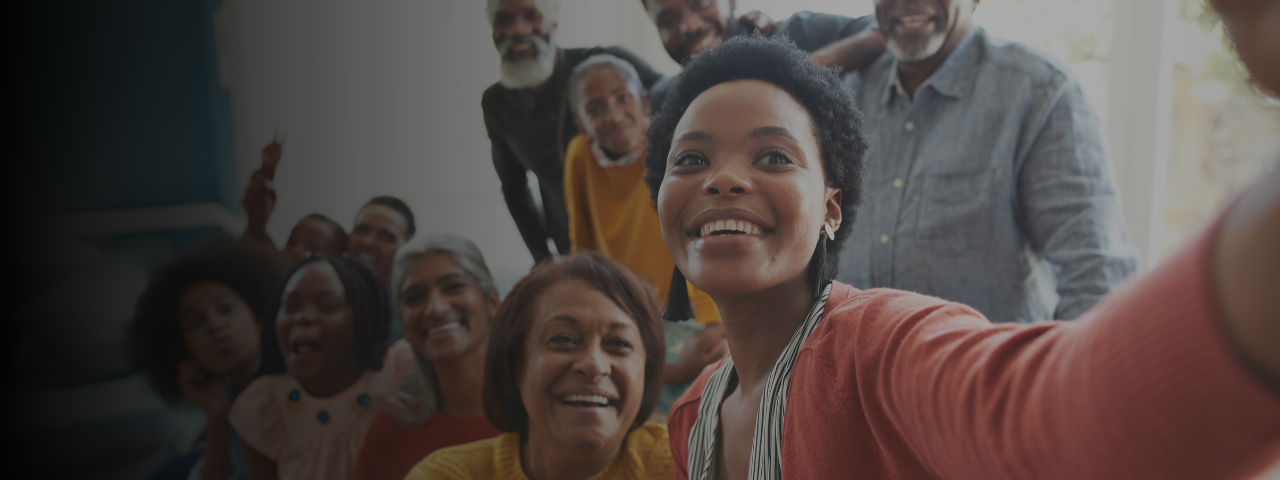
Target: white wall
383 97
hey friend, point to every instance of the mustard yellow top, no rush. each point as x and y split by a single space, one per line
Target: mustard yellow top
610 212
644 455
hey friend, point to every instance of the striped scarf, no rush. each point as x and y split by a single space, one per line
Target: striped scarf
766 443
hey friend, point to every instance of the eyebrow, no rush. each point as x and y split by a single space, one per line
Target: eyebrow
771 131
696 136
564 318
612 326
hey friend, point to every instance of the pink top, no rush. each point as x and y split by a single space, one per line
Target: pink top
893 384
307 437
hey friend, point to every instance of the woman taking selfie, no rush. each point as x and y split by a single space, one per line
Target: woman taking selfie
754 165
574 368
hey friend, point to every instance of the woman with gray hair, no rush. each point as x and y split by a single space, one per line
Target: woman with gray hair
445 300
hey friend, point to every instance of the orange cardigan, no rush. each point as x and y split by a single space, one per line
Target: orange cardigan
899 385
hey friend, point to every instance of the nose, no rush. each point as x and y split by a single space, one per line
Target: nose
691 23
522 26
727 180
216 321
614 116
592 364
436 305
304 316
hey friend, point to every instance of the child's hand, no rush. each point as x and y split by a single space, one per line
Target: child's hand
202 389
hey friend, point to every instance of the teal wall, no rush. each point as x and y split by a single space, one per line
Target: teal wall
126 110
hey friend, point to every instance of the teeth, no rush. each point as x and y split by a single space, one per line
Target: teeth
444 328
596 399
913 20
729 226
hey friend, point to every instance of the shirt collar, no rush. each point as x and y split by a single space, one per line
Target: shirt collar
953 78
606 162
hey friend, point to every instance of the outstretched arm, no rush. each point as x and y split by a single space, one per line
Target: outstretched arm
1164 378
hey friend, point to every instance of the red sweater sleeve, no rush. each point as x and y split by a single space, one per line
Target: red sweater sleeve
1145 385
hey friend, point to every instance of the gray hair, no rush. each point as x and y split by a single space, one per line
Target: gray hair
550 9
460 249
577 87
412 393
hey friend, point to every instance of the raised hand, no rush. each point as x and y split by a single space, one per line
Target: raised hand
756 20
271 157
259 198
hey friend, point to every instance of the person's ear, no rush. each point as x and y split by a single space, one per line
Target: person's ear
833 215
644 104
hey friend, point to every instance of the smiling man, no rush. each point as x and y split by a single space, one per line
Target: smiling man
383 224
526 115
987 179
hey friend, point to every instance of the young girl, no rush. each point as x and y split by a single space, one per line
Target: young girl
307 416
196 336
754 167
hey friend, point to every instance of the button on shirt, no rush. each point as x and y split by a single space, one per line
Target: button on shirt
991 187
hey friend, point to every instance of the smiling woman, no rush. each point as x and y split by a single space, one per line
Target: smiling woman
446 300
754 165
574 368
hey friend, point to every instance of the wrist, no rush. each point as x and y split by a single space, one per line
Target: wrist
216 414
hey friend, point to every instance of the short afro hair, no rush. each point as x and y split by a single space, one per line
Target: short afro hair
155 344
400 207
837 123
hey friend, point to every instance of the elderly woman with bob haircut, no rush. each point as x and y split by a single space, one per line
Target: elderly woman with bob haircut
445 301
574 368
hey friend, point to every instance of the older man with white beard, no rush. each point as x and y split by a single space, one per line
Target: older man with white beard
987 178
528 119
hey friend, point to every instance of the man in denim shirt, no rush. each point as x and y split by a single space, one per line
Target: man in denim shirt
987 180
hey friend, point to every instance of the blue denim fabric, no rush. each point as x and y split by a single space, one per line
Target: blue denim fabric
991 188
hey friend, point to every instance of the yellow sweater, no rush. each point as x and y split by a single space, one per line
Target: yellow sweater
645 455
610 212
